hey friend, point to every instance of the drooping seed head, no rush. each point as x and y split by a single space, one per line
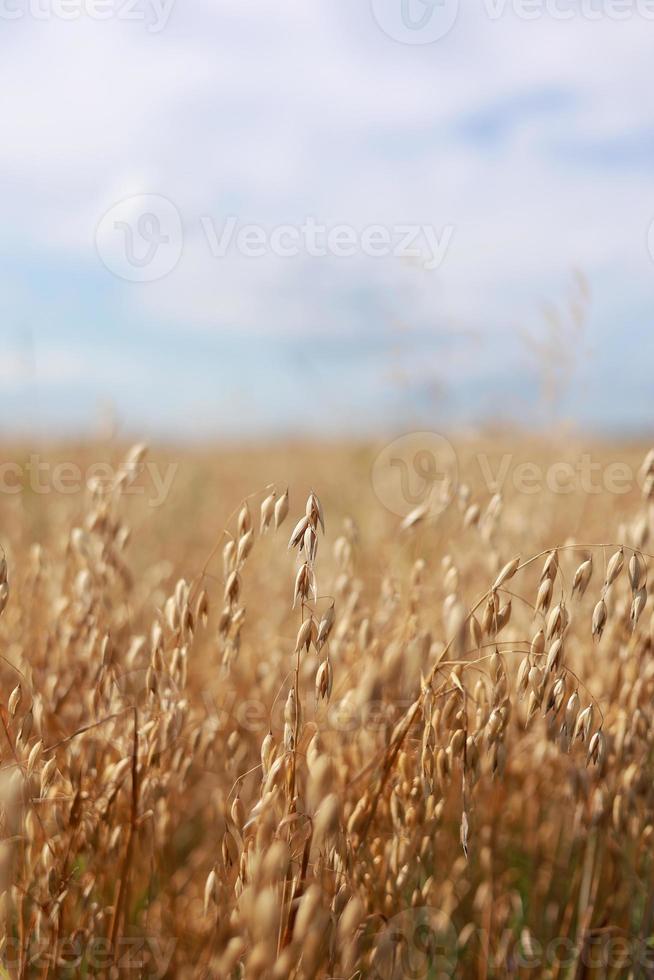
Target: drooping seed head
324 680
636 572
551 567
638 604
281 510
582 577
266 511
571 712
614 567
599 619
325 627
507 572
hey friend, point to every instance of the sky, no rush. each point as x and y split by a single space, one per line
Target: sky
343 216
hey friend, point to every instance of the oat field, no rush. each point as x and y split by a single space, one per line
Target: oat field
271 713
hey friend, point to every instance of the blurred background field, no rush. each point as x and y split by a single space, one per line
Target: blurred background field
209 479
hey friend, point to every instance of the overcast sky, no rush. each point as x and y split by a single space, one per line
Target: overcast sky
512 155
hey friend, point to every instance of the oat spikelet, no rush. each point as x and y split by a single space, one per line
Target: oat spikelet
507 573
281 510
599 619
614 567
582 577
